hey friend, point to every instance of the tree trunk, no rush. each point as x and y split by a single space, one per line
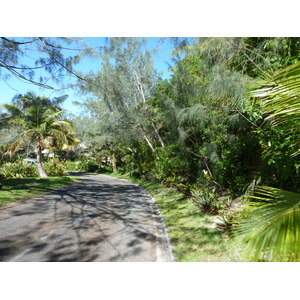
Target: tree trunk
38 151
140 88
114 163
150 145
157 134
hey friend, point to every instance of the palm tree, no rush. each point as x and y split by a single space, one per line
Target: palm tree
282 102
40 120
271 225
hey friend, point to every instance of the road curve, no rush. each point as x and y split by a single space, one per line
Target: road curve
99 218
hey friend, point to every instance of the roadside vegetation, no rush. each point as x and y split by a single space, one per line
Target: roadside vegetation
195 236
217 144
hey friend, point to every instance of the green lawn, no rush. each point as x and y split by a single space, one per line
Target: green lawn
190 230
24 188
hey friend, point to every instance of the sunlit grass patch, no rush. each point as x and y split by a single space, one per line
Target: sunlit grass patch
24 188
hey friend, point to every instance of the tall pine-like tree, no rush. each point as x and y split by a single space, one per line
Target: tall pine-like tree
124 84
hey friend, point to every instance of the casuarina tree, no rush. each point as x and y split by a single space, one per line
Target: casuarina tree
124 84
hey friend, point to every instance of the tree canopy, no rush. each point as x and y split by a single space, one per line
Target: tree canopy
23 57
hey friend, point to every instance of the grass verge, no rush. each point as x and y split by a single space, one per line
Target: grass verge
23 188
193 237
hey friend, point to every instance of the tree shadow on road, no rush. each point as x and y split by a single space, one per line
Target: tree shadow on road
88 221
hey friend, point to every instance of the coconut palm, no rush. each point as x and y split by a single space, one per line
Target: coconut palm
40 121
271 225
282 102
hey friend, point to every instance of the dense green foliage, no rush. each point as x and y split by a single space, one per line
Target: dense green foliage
200 126
18 170
82 165
21 169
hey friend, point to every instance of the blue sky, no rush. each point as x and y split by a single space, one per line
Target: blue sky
15 86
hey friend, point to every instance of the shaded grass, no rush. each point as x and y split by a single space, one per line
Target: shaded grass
193 237
23 188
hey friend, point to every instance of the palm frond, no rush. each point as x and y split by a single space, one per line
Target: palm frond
62 139
15 146
281 102
13 110
65 125
270 226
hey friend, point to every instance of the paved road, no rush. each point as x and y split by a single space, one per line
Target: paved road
100 218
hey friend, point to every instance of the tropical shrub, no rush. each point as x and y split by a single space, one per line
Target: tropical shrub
71 165
239 161
18 170
206 201
82 166
278 167
172 169
227 221
54 167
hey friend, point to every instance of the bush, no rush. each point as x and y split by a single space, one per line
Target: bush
238 165
82 166
172 169
206 201
18 170
71 165
224 208
54 167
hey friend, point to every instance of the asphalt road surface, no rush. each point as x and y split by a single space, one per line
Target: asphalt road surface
99 218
